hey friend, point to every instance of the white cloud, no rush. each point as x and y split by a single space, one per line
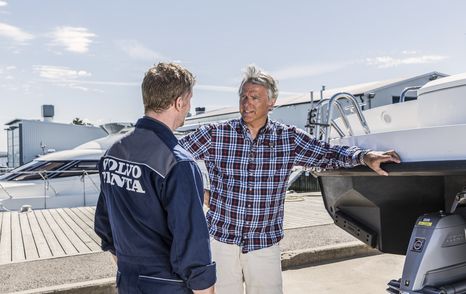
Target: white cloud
409 52
59 72
216 88
309 70
138 84
3 3
7 69
74 39
388 61
137 51
14 33
84 89
106 83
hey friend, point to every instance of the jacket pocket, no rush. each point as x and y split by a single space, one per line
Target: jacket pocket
155 285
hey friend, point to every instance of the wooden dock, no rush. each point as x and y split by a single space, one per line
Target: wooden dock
50 233
47 233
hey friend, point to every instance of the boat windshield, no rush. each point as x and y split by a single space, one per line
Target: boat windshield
25 167
79 168
37 170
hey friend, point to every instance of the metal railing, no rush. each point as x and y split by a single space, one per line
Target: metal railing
321 116
47 185
4 170
406 90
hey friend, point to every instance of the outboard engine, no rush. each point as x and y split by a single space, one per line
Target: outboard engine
436 257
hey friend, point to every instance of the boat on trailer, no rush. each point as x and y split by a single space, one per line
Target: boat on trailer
428 186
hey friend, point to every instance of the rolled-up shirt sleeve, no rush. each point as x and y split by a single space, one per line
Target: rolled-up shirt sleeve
198 142
190 254
310 152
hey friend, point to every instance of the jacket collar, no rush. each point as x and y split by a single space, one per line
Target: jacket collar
159 128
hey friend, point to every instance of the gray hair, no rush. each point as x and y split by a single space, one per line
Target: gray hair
256 76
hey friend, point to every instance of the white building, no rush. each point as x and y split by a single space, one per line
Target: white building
28 139
294 110
3 159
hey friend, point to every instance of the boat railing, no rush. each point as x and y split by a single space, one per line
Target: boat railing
406 90
44 176
4 170
317 116
321 116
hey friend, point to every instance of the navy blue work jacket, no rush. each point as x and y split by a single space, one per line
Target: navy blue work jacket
149 213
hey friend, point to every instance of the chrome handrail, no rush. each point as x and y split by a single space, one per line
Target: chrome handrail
333 101
318 109
320 118
6 192
406 90
92 181
45 189
83 179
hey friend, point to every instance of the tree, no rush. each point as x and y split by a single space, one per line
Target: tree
78 121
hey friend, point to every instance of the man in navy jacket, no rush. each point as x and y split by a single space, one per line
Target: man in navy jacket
149 213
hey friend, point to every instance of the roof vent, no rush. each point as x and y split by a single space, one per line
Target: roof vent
433 77
48 112
199 110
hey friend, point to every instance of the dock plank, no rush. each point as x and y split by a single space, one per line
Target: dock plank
17 246
90 214
59 234
91 209
42 246
78 244
47 233
84 217
29 243
82 235
53 244
86 227
5 240
86 214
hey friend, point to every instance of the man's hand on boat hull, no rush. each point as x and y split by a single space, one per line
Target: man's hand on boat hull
373 159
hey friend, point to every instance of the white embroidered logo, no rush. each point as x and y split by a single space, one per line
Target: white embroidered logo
122 174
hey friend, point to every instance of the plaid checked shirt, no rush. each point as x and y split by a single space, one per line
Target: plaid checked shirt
248 178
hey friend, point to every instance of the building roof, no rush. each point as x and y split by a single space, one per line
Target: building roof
16 120
355 90
215 112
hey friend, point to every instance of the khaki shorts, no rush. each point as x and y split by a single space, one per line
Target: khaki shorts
257 272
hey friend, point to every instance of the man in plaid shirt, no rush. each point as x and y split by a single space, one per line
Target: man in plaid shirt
249 161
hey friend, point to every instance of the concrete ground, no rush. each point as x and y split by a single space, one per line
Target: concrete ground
364 275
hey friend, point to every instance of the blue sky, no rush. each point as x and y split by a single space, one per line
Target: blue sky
88 58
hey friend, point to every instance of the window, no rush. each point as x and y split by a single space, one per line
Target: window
35 170
13 146
77 169
13 173
396 99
